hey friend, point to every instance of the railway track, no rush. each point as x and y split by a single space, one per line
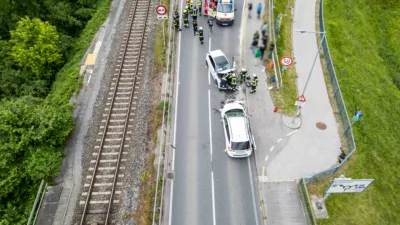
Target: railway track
102 189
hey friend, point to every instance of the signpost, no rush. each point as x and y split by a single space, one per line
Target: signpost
300 101
161 11
345 185
357 116
286 61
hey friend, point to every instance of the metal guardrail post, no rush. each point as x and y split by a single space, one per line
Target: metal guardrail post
35 204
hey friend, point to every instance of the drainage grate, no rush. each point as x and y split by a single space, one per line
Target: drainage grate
321 126
170 175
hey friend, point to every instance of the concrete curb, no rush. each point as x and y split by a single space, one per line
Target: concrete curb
296 124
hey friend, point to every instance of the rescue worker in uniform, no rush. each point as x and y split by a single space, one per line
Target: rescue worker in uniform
243 75
176 21
233 81
194 13
210 23
191 6
186 10
199 5
185 18
194 27
254 84
200 33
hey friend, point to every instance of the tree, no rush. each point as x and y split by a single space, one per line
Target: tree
35 47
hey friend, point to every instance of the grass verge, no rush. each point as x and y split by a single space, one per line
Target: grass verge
285 97
363 41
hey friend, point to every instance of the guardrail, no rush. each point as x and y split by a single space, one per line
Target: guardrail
36 205
308 212
348 136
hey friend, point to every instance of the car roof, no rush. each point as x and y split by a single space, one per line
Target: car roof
233 105
216 53
238 129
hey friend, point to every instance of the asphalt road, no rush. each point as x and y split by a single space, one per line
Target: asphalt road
209 187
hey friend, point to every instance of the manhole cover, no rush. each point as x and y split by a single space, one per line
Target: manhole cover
321 126
170 175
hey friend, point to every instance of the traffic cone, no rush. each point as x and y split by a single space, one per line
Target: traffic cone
275 108
271 65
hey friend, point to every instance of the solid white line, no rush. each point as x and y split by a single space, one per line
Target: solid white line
279 140
213 197
89 78
209 50
272 148
209 121
176 117
290 133
252 190
266 158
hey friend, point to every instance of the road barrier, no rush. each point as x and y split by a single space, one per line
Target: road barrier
305 201
36 206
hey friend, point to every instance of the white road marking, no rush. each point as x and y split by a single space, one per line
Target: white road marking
290 133
209 50
89 78
266 158
279 140
252 191
213 197
176 116
272 148
209 121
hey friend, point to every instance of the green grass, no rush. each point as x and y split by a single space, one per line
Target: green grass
68 80
363 37
285 97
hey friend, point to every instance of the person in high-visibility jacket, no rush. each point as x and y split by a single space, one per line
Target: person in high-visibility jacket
199 5
254 84
194 27
176 21
233 81
200 33
185 10
191 5
224 80
243 75
185 18
194 13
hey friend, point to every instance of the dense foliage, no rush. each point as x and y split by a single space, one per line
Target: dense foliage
364 43
36 38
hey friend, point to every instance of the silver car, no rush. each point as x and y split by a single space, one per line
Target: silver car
238 137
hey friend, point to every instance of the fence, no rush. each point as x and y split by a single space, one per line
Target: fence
36 206
348 137
305 201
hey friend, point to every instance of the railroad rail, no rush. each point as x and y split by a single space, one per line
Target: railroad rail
101 196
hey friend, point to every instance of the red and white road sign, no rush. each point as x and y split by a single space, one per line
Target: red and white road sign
286 61
301 98
161 10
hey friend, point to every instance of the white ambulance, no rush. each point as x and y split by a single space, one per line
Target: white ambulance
225 12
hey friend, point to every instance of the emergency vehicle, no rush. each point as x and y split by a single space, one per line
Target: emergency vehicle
225 12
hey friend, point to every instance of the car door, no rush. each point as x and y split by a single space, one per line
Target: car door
211 66
226 131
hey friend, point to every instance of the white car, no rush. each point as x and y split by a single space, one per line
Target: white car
218 65
238 137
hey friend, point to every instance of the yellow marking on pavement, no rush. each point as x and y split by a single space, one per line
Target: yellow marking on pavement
90 59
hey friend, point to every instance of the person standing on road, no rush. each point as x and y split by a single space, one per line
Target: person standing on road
210 23
233 81
271 49
191 6
256 36
254 46
254 84
176 21
264 29
200 33
262 50
194 27
243 75
264 40
185 19
205 8
250 7
259 9
199 5
194 13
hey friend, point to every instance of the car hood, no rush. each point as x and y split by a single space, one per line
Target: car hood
226 71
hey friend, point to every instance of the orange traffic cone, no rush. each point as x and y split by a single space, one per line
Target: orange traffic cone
275 108
271 64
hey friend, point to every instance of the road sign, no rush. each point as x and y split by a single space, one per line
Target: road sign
348 185
161 10
301 98
286 61
299 103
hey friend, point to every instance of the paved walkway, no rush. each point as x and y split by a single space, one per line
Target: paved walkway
310 150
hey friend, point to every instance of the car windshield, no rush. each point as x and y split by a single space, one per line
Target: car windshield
240 145
221 63
225 8
235 113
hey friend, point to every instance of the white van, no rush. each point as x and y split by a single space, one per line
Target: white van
225 13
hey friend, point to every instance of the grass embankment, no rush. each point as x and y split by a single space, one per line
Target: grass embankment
284 97
144 213
364 44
